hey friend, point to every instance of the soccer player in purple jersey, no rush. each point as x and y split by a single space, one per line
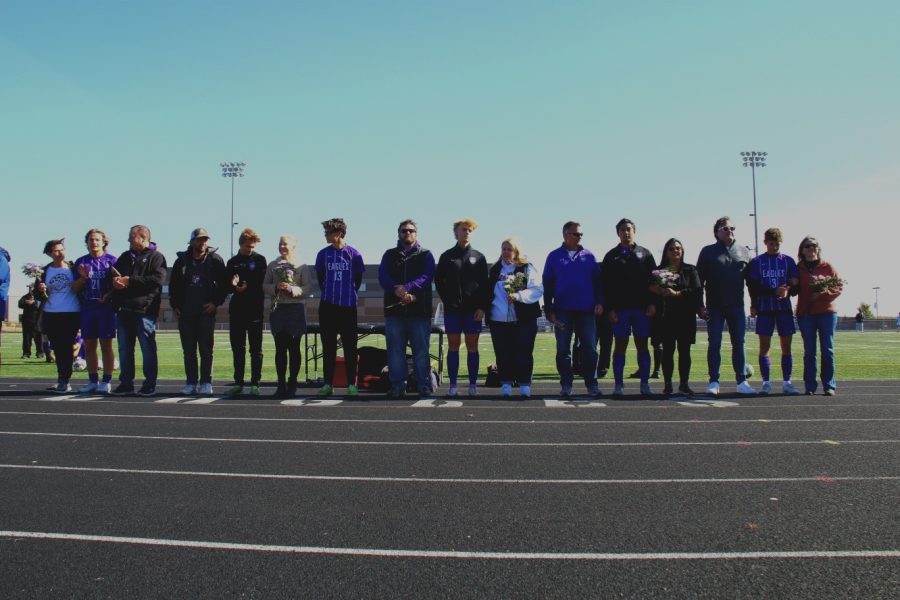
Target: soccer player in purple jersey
773 278
98 318
339 269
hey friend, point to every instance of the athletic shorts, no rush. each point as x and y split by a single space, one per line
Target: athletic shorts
766 324
461 323
98 322
632 321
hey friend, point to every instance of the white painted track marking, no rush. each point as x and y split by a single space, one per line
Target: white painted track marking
310 402
453 480
573 404
172 400
742 443
708 403
208 400
435 403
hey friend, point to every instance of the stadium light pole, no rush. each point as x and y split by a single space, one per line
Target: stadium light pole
232 170
753 160
876 288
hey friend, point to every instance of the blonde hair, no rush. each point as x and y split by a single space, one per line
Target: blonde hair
470 223
521 259
292 245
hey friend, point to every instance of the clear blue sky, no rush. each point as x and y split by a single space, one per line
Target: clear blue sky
521 115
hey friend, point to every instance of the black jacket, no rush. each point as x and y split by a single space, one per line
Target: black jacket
626 279
461 279
146 271
524 311
252 271
193 283
416 268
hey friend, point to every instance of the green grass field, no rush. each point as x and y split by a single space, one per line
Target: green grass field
871 355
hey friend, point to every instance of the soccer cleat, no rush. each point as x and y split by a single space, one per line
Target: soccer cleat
646 390
325 391
525 391
789 389
685 389
453 391
565 391
619 390
766 387
123 389
205 389
506 390
87 389
104 387
713 388
473 389
254 390
147 390
188 389
745 388
352 390
234 390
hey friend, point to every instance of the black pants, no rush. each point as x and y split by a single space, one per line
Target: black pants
61 329
241 331
514 349
337 320
285 346
683 343
30 334
197 333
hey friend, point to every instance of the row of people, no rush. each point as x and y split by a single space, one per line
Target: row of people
107 296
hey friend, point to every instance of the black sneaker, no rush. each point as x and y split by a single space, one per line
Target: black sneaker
147 390
685 389
123 389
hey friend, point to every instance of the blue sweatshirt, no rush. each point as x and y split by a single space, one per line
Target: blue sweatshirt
572 283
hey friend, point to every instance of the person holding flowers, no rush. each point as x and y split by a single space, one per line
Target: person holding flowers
515 308
461 279
285 281
816 316
678 285
60 319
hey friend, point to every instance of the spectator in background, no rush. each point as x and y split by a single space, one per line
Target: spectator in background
860 321
138 277
98 318
30 333
197 288
244 273
406 273
339 270
461 279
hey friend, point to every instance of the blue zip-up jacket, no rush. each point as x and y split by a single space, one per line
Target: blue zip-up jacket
572 283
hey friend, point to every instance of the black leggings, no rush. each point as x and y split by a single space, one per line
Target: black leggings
286 345
684 358
62 328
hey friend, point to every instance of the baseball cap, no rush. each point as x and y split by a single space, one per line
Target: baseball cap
199 233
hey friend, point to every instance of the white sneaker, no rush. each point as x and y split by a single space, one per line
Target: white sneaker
745 388
205 389
452 391
525 391
713 388
789 389
506 390
766 387
86 389
188 389
104 387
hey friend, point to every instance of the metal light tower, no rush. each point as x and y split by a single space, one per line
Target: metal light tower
232 170
753 160
876 288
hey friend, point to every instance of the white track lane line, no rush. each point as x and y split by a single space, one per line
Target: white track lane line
219 440
456 554
451 480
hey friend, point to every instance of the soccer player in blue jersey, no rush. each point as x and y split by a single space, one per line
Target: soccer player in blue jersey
98 318
772 279
339 269
629 304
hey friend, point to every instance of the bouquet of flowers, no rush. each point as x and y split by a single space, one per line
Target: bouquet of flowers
665 278
514 282
285 275
32 270
823 283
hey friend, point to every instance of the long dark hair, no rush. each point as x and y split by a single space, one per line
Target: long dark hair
664 260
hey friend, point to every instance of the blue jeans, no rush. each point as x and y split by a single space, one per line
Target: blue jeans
583 324
416 331
821 327
136 326
737 327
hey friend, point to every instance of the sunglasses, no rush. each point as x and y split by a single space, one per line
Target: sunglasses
407 231
577 234
726 228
